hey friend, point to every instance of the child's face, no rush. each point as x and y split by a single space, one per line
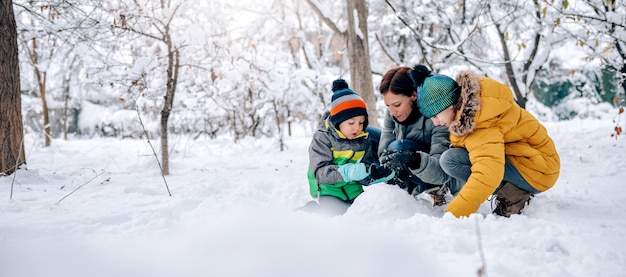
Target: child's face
444 118
352 127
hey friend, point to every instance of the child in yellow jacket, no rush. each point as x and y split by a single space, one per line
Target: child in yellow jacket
498 147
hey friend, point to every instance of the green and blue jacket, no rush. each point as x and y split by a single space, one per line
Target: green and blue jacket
330 149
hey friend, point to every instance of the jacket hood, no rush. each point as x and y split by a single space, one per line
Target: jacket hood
322 123
468 104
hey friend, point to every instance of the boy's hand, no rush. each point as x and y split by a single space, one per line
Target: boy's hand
353 172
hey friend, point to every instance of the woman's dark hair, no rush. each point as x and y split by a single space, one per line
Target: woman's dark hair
419 74
397 81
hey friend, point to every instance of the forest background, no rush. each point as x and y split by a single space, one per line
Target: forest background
143 69
99 85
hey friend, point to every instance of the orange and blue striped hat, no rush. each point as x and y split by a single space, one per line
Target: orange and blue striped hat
345 104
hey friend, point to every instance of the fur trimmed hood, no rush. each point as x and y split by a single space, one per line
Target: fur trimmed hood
468 104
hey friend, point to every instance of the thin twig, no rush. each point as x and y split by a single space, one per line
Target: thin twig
152 147
94 177
482 271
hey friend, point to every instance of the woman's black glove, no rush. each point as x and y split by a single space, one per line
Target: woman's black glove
400 160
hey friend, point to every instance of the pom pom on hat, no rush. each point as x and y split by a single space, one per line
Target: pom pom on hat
437 93
339 84
345 104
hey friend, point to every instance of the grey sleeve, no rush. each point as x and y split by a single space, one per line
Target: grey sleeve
321 160
430 170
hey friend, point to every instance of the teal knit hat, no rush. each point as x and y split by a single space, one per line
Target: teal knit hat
437 93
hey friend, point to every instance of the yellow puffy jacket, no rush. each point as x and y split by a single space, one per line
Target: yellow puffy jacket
492 127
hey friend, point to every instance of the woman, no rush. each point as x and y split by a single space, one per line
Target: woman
498 146
410 143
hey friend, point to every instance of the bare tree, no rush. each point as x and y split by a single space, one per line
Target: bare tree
499 24
11 128
50 33
356 37
33 49
359 55
173 64
419 31
524 36
161 20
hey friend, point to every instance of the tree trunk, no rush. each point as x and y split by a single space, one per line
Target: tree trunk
510 72
41 82
66 99
67 81
622 79
358 52
359 56
11 128
173 60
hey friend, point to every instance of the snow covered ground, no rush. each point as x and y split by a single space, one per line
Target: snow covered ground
100 207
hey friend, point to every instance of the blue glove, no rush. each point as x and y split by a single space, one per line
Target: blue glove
353 172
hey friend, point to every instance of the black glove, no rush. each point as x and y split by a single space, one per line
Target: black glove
397 181
384 157
378 172
385 153
400 160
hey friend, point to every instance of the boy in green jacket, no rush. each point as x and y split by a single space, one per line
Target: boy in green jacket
341 160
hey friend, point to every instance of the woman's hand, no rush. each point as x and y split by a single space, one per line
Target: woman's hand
400 160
